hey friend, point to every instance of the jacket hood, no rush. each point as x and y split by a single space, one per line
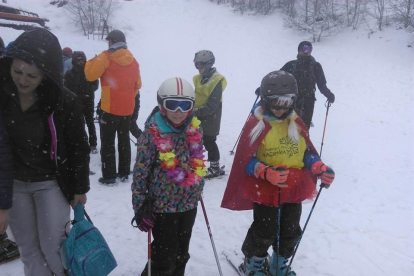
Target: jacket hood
122 57
40 48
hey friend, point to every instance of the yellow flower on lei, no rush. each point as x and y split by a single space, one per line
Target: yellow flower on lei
200 171
195 122
167 156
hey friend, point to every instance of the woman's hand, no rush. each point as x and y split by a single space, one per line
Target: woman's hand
79 199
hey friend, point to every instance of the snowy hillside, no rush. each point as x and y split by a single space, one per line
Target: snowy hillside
364 224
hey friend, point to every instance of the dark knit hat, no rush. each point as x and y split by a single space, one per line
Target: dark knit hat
304 43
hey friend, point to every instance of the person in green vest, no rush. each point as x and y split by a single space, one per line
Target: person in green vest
209 86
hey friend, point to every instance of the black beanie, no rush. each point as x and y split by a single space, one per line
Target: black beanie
304 43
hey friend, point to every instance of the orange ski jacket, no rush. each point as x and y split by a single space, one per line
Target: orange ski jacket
120 80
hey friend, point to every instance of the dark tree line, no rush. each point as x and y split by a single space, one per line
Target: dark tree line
321 18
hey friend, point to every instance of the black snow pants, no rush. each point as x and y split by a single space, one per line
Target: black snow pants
304 107
263 231
169 249
112 125
212 148
88 110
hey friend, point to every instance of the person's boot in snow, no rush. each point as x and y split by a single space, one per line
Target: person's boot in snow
8 251
255 266
215 170
283 265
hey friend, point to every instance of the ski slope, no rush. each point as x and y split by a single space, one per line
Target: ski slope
364 224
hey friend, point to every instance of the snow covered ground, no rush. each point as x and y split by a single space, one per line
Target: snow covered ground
364 224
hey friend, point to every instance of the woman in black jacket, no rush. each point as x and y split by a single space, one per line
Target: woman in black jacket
50 148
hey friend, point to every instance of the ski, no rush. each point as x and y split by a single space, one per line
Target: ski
237 267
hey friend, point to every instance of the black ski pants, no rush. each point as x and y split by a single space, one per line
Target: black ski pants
169 249
263 231
212 148
304 107
134 129
112 125
88 110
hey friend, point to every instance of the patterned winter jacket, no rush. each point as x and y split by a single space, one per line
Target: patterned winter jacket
150 179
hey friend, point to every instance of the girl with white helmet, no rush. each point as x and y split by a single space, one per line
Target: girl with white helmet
169 177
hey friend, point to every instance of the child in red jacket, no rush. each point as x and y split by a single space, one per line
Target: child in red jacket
276 170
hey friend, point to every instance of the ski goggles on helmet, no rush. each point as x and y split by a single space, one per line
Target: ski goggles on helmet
200 64
174 104
306 48
278 102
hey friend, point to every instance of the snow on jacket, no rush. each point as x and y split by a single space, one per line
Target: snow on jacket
120 79
243 188
6 169
61 111
209 90
150 179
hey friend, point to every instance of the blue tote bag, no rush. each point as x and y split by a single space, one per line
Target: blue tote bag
85 251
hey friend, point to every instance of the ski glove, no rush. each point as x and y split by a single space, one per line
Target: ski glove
325 173
144 217
275 175
144 221
330 97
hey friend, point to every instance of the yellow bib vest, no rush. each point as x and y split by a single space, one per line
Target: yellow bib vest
277 148
203 91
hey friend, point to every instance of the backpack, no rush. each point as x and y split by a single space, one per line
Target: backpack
85 251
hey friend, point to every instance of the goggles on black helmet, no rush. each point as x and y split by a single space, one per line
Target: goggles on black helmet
173 105
306 48
280 102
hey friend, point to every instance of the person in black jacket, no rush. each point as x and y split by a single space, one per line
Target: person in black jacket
76 82
50 148
8 249
307 72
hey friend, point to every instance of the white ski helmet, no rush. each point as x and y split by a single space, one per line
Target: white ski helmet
206 57
176 89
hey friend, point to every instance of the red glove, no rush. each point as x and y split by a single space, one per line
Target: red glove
275 175
325 173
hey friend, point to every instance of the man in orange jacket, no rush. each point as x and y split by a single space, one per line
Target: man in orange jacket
120 82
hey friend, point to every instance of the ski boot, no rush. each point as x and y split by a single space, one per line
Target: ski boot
255 266
215 171
283 265
8 251
108 182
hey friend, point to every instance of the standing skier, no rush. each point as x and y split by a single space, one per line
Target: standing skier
168 177
307 72
209 86
274 154
75 81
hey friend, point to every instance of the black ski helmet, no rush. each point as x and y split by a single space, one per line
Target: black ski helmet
303 43
116 36
278 83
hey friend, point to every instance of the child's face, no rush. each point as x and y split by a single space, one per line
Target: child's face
278 113
177 117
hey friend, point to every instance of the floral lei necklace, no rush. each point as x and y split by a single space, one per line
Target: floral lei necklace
169 160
